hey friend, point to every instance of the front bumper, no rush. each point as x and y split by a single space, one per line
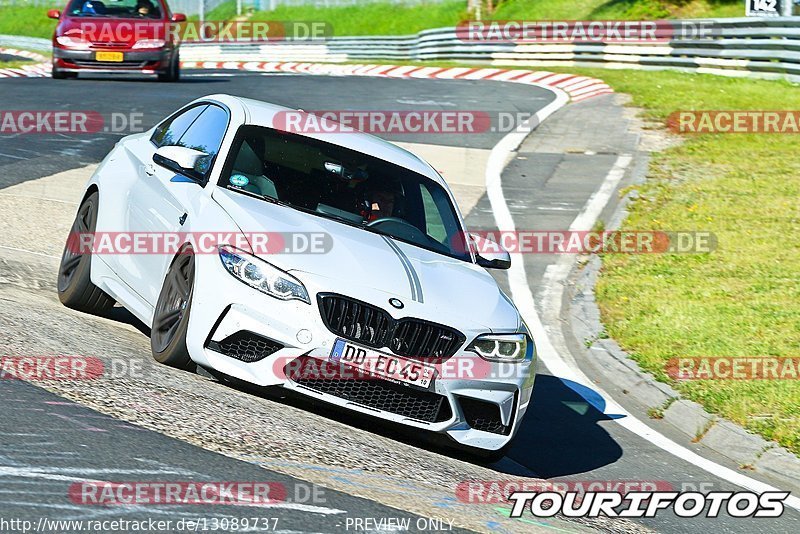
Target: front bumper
134 61
480 407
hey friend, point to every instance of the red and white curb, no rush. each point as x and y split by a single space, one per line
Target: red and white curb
22 53
26 71
577 87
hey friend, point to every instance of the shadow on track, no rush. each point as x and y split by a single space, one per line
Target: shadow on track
559 435
122 315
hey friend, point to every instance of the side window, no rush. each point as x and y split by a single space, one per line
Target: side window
171 130
434 224
205 134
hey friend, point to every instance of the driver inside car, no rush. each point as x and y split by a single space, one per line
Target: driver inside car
384 202
381 204
144 8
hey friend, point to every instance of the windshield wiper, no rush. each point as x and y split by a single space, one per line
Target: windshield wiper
337 218
271 200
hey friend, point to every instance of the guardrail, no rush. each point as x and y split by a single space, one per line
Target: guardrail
751 47
28 43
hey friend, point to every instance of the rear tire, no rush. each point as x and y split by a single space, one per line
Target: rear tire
75 287
171 314
58 74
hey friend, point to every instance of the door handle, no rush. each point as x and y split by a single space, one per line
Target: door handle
149 169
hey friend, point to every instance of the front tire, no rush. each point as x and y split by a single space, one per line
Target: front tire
173 73
58 74
171 314
75 287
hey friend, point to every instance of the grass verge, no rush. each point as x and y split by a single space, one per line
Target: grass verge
743 300
617 9
31 21
374 19
391 19
13 64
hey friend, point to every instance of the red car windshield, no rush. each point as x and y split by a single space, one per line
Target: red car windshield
133 9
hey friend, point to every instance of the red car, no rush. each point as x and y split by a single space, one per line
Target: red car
116 36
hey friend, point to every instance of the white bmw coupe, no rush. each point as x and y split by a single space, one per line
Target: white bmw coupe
392 314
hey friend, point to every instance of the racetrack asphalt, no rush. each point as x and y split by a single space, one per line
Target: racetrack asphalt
564 435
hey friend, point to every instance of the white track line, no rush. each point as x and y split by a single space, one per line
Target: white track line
523 298
15 249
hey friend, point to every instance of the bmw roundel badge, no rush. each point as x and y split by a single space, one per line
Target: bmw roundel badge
397 303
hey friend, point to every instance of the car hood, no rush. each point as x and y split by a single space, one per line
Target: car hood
372 267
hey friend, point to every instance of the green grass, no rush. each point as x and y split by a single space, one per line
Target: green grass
13 64
388 19
26 20
374 19
744 298
617 9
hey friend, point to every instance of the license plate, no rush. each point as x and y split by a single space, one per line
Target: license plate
109 56
383 365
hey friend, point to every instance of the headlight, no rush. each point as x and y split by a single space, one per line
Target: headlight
501 347
149 43
260 275
73 41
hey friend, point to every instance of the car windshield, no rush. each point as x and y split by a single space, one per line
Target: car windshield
344 185
147 9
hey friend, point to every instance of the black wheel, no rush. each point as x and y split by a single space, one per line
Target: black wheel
173 74
171 315
75 287
59 74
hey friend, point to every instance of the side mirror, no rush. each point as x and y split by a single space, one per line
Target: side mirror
182 160
178 17
54 14
490 254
